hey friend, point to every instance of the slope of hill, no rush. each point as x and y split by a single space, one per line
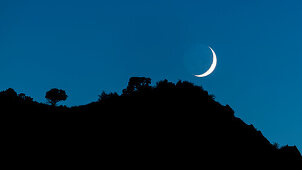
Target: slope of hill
168 125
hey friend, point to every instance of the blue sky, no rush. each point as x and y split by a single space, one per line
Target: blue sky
88 46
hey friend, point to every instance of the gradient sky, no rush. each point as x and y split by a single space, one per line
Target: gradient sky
89 46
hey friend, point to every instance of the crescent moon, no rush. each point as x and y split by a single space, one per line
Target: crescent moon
213 66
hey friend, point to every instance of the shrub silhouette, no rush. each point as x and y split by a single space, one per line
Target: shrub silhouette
24 98
105 96
55 95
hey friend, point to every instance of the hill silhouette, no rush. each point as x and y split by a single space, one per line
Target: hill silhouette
166 125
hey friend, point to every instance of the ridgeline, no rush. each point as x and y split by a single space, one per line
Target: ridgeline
168 125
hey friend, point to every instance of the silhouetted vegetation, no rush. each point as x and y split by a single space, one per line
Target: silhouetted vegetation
168 125
137 85
9 97
104 96
55 95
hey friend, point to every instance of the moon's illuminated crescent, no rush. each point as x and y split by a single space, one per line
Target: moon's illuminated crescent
213 66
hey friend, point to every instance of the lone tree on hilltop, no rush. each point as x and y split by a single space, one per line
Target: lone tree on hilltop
55 95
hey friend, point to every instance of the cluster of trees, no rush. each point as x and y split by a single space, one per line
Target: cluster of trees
10 95
176 122
53 96
141 86
136 86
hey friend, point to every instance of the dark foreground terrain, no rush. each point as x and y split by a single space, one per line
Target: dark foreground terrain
166 126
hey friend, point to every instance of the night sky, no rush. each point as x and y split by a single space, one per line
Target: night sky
86 47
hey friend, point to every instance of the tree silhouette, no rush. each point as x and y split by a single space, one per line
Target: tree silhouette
137 84
55 95
179 124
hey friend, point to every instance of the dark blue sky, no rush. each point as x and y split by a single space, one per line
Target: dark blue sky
86 47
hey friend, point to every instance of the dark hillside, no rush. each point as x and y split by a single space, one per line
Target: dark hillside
169 125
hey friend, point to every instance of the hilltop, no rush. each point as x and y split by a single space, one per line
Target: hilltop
172 125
